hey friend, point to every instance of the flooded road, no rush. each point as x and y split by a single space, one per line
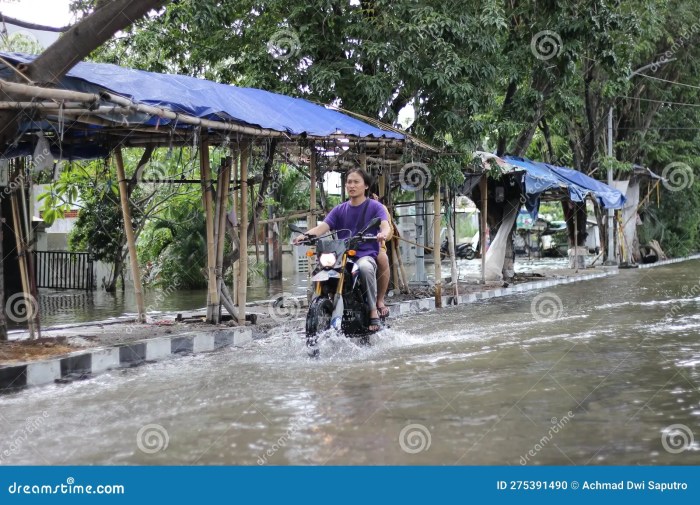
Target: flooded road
600 372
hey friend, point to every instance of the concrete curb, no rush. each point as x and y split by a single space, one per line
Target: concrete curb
670 262
427 304
83 364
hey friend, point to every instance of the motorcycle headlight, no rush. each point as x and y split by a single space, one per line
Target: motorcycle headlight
327 260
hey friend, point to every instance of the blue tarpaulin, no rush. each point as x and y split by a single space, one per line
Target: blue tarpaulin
211 100
540 177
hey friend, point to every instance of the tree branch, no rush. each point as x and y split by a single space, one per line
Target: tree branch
31 26
83 37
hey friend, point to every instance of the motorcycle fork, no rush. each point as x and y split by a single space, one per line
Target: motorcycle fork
341 280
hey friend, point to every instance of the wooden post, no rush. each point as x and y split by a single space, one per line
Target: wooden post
311 220
484 187
130 240
243 224
29 303
3 322
221 199
212 292
436 245
237 228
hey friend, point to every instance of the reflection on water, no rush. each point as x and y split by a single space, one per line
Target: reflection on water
612 378
63 307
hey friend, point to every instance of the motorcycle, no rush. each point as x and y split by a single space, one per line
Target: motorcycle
338 301
464 251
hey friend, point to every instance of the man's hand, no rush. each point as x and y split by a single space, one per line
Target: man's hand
381 237
299 239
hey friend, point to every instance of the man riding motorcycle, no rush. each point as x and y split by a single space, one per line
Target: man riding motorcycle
348 218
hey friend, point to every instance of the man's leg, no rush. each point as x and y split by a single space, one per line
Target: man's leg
382 280
368 277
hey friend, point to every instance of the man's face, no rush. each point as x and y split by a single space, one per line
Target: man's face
355 185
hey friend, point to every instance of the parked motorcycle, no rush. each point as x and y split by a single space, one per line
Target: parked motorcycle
338 301
463 251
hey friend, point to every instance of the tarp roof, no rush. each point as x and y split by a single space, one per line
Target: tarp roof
210 100
540 177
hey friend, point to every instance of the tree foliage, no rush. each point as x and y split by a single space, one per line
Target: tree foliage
526 78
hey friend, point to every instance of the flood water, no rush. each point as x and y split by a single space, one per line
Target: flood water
600 372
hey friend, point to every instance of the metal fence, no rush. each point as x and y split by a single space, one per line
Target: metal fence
64 270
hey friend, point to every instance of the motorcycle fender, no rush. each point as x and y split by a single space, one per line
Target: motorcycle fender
324 275
321 276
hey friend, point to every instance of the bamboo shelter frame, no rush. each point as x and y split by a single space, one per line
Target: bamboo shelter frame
120 125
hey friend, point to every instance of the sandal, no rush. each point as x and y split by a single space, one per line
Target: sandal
383 311
375 324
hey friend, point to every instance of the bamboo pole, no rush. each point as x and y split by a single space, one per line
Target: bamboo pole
243 223
484 224
3 321
311 219
436 245
130 239
30 304
212 292
237 227
27 211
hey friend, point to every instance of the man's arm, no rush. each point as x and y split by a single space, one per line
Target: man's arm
384 230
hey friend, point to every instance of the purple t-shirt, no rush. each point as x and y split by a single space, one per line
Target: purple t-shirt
347 217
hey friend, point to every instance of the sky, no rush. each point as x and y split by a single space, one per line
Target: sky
44 12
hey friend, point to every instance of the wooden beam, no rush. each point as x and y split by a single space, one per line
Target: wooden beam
212 292
484 188
243 223
130 240
222 199
311 219
436 245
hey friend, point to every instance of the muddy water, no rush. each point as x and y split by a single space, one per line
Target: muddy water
601 372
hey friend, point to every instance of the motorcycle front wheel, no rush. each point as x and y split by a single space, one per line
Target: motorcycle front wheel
318 320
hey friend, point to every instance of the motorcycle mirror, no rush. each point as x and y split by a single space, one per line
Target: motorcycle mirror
295 228
374 222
